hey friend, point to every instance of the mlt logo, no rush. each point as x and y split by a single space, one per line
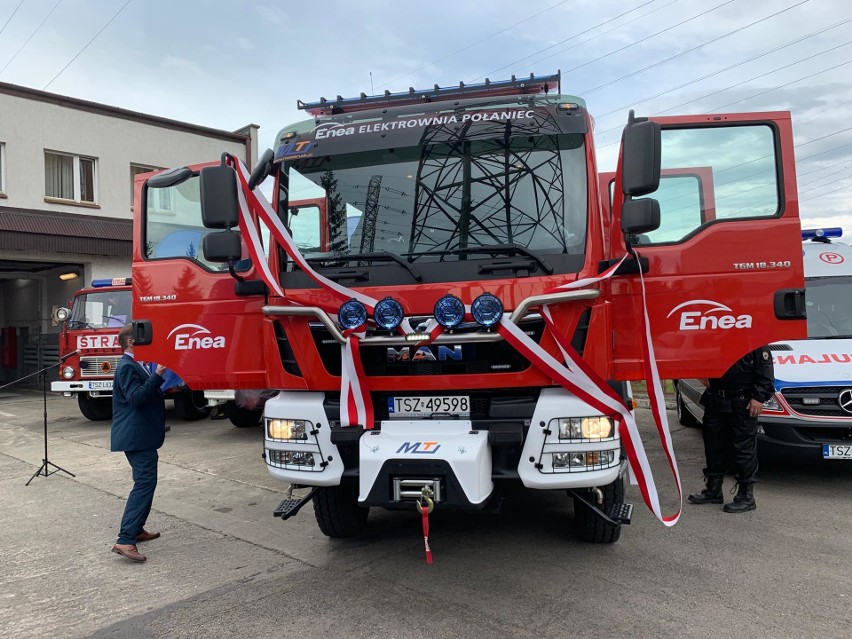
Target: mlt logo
419 448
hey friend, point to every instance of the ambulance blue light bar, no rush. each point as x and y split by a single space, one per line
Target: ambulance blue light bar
116 281
809 234
488 88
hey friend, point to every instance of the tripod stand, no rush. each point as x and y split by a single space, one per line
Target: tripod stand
44 469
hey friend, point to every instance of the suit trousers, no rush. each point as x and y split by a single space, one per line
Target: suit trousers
144 465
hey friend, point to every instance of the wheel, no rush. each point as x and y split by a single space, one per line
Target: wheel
191 405
683 415
96 409
337 511
242 417
591 528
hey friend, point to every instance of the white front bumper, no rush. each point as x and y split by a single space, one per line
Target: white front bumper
82 386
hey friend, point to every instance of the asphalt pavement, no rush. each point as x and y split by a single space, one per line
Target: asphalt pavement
225 567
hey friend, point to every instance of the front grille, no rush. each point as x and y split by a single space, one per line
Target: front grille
497 405
827 395
825 435
92 366
444 359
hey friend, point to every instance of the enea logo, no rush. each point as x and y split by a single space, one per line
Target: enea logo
419 448
195 337
700 315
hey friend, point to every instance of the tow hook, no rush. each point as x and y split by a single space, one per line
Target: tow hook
598 495
425 505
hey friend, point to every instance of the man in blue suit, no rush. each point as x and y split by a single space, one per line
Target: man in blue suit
138 429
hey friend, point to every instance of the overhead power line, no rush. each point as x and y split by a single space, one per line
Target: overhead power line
37 29
571 37
717 72
6 24
86 46
646 38
478 42
585 92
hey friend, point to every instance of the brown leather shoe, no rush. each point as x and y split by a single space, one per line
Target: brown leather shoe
129 551
146 536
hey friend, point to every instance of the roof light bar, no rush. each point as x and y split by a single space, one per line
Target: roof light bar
530 85
116 281
810 234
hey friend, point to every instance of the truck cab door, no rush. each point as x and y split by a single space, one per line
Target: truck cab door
724 269
192 315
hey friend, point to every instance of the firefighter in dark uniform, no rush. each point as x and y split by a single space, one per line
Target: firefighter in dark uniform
731 406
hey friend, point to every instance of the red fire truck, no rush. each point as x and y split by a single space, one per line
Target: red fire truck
88 344
464 311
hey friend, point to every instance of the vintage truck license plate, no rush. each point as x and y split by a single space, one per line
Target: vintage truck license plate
837 451
426 406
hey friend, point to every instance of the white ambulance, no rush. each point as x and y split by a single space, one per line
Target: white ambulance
810 415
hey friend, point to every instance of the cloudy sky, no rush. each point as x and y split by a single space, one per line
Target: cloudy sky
225 63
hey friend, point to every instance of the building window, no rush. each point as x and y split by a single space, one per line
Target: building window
2 168
136 169
70 177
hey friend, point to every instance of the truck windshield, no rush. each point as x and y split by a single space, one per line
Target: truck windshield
829 307
107 309
444 201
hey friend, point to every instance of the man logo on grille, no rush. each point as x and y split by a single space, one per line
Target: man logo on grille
845 400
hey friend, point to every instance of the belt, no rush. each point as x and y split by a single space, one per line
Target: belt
729 394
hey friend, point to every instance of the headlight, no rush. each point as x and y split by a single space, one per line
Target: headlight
68 372
290 458
352 314
487 309
449 311
590 458
772 404
388 313
585 427
287 428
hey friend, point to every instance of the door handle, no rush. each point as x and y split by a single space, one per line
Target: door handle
789 303
143 332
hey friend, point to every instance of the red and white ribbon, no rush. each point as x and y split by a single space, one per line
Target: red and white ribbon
573 374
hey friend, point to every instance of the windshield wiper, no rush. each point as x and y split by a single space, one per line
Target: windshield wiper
493 249
377 255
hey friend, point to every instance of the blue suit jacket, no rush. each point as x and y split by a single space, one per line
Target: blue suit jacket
138 408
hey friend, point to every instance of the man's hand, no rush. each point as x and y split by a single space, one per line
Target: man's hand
162 369
755 408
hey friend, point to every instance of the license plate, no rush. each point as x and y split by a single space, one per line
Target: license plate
101 385
426 406
837 451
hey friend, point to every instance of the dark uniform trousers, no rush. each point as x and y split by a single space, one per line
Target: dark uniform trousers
728 427
730 435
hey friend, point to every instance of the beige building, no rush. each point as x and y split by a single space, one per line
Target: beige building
66 174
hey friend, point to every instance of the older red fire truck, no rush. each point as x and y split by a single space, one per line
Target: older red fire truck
464 310
88 346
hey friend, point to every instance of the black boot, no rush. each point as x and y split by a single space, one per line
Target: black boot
712 494
743 501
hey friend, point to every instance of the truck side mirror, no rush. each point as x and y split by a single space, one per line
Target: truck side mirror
640 164
221 247
262 170
639 216
219 201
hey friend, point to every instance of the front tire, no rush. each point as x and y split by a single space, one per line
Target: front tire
242 417
590 527
96 409
337 511
191 405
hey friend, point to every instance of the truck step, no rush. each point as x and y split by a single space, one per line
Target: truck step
290 506
622 513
